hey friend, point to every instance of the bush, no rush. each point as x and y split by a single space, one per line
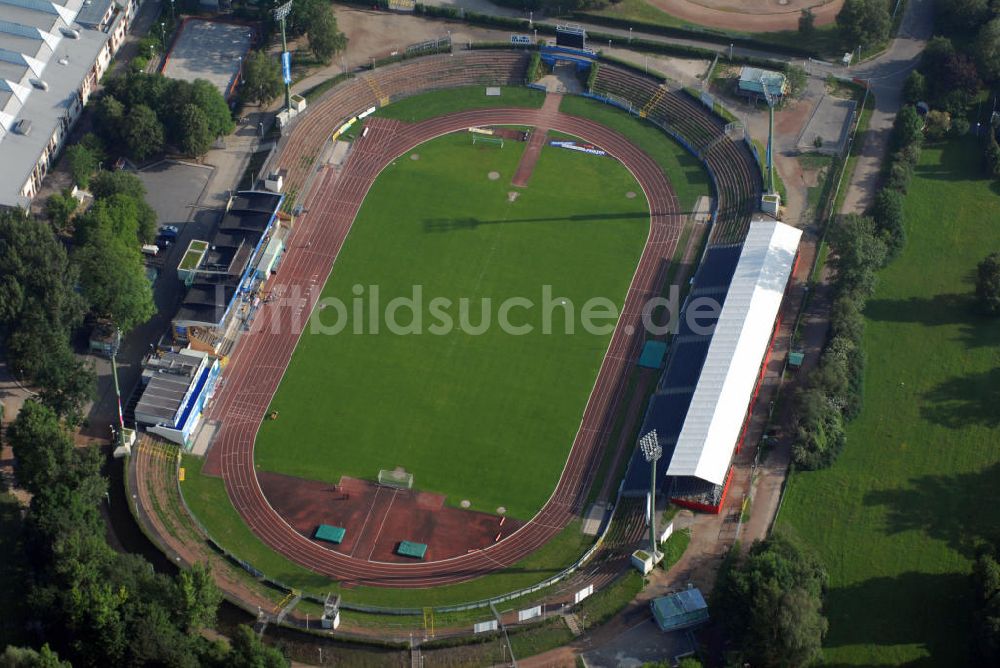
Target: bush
937 125
82 163
887 210
534 72
988 284
914 88
992 155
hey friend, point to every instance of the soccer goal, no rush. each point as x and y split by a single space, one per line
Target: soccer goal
486 139
397 478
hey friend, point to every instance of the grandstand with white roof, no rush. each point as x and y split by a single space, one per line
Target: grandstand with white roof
700 410
52 54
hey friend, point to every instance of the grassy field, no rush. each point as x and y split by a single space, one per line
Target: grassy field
474 413
897 518
440 102
206 496
685 172
825 39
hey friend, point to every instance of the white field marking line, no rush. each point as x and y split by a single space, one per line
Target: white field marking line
370 509
384 518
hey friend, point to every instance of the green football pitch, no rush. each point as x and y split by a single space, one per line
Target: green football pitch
486 417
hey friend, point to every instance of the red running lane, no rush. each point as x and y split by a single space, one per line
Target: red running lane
263 354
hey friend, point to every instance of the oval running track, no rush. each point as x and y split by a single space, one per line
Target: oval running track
263 353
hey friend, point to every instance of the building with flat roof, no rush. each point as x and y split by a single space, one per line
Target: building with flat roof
52 54
176 387
229 271
682 610
755 81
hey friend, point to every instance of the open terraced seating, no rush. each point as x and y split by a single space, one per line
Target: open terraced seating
734 170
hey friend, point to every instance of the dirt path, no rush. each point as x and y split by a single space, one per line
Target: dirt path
538 137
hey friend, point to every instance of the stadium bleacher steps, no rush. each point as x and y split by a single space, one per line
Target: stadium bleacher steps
660 93
382 98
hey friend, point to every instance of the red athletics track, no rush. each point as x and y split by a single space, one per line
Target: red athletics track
262 355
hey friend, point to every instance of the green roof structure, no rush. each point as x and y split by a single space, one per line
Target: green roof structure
753 80
330 534
680 611
409 549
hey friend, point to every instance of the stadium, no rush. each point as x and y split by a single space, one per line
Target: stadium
321 443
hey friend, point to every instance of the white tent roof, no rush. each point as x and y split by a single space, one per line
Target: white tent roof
742 335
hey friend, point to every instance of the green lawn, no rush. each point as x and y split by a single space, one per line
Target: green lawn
487 416
897 518
207 499
685 172
440 102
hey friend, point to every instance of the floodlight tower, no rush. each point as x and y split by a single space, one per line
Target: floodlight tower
115 346
281 13
651 450
770 200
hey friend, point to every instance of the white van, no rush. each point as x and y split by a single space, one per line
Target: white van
150 249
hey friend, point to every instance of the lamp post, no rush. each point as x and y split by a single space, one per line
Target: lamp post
651 450
281 13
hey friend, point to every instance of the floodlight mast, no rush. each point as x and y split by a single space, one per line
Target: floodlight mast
281 13
651 450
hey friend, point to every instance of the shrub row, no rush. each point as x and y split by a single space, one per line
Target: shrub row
862 245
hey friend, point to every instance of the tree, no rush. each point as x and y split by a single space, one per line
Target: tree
197 598
770 603
247 651
60 208
992 154
797 80
196 138
914 88
907 128
807 22
214 105
987 50
864 22
109 117
261 78
937 125
26 657
82 164
142 132
986 579
988 284
38 302
859 253
887 210
324 38
41 446
107 184
113 279
961 16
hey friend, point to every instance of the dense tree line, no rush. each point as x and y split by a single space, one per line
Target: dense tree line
39 311
141 114
770 604
92 605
